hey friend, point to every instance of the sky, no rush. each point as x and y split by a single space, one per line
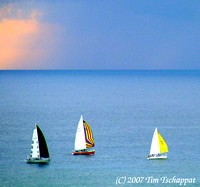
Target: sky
101 34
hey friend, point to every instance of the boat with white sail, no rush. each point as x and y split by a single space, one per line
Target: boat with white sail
39 149
84 139
159 147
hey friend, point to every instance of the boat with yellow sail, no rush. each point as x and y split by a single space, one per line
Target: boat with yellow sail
159 147
84 140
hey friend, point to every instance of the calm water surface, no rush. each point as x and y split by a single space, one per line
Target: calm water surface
122 108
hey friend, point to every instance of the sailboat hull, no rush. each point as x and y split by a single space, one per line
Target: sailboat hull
39 160
157 157
83 152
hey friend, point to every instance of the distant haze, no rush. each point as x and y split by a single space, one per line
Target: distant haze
132 34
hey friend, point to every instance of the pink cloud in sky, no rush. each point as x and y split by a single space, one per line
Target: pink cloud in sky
25 43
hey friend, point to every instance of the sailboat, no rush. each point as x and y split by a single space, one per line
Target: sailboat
39 149
158 147
84 140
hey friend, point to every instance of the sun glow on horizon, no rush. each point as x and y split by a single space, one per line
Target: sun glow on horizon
23 42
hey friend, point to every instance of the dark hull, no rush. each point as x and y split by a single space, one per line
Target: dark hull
157 157
84 152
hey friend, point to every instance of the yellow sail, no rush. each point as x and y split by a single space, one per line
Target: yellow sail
162 144
88 136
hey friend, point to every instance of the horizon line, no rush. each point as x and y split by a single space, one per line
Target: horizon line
99 69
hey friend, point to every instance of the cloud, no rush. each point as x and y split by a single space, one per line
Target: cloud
25 43
68 35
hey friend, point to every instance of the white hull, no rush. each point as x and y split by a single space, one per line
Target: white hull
38 160
157 157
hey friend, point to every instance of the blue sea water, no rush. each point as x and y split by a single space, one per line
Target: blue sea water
122 108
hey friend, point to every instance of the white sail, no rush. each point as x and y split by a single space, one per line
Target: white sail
80 136
35 153
155 148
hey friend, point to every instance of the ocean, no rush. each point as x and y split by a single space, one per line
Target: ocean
123 108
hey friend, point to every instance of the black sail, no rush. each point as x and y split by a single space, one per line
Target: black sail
42 144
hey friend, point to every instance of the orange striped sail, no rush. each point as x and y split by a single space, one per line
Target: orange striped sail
88 136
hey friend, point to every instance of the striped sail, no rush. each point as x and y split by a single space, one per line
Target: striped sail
88 136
